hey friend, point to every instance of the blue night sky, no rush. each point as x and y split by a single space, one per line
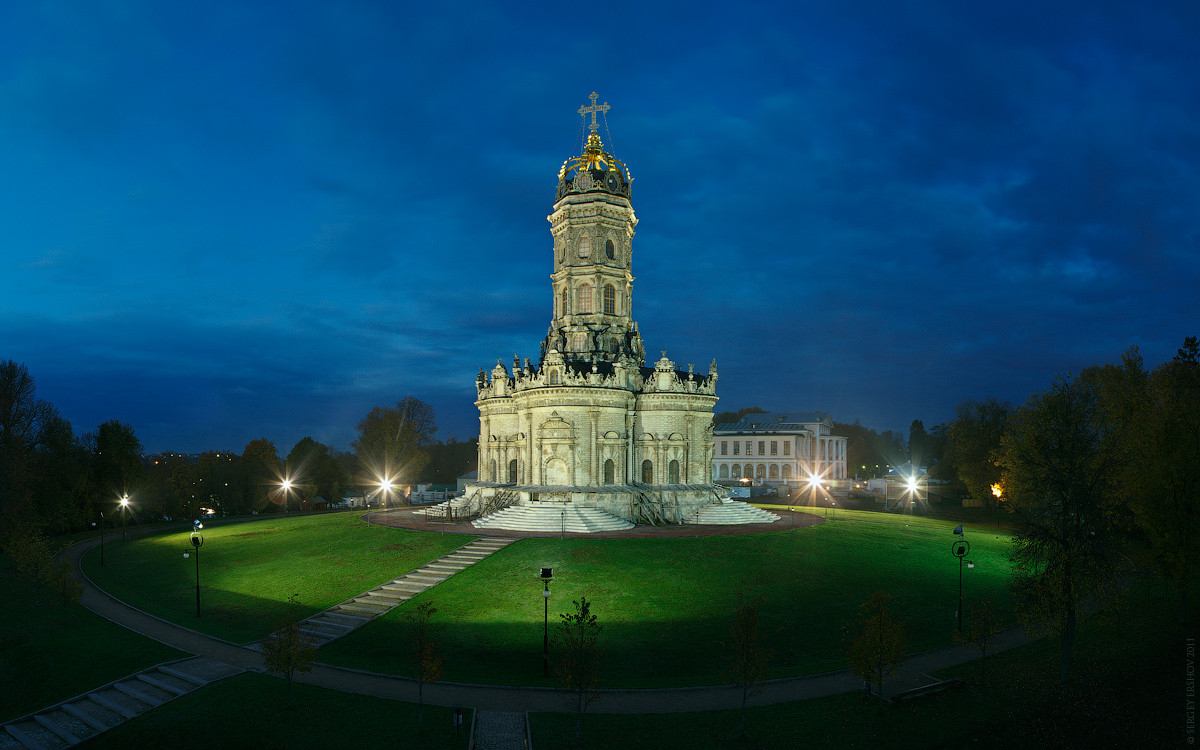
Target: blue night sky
233 220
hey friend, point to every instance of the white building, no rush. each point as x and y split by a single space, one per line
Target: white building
589 423
780 449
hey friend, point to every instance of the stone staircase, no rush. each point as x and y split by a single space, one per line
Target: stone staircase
730 513
500 730
355 612
83 717
552 518
457 505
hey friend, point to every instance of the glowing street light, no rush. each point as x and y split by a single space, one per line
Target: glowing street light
197 539
124 512
547 574
286 486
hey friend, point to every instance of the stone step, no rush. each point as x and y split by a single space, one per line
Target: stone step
360 608
406 587
121 702
33 735
66 727
450 567
374 606
351 620
93 714
324 627
143 693
391 596
161 684
318 637
81 726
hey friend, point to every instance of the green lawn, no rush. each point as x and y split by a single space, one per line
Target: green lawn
48 654
249 571
666 604
1127 691
250 711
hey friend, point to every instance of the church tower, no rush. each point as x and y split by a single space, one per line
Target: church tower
590 426
592 284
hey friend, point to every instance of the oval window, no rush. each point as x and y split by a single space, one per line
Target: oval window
609 249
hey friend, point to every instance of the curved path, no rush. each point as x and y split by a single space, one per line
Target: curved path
501 698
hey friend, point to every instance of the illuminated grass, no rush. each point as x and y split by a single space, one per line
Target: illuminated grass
249 571
53 654
666 604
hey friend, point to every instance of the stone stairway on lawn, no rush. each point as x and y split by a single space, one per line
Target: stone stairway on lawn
499 730
457 505
353 613
85 716
552 518
730 513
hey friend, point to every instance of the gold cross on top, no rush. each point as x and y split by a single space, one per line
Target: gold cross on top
593 110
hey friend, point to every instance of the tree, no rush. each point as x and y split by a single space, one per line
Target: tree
288 651
877 650
427 662
31 555
916 443
260 473
117 461
730 417
578 664
1162 485
25 422
392 443
746 653
318 472
61 580
1060 461
983 630
973 444
217 486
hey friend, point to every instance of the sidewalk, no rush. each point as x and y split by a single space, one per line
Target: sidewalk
502 698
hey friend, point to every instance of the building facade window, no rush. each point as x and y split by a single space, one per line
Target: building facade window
787 470
762 447
774 447
774 471
647 472
610 299
724 471
585 246
609 470
749 447
724 447
554 377
583 299
563 304
673 472
610 249
761 472
736 471
578 342
736 446
512 471
787 447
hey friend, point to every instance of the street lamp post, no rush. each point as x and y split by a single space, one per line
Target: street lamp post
101 539
960 549
547 574
124 512
197 540
286 486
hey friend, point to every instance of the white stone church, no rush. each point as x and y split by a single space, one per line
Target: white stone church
589 431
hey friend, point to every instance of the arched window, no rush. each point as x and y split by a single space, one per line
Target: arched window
578 342
563 308
610 300
774 471
609 249
647 472
512 471
724 471
614 345
762 472
585 246
736 471
673 472
609 470
787 470
583 299
555 379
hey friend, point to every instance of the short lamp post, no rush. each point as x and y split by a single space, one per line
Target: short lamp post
961 549
286 486
124 513
547 574
101 524
197 540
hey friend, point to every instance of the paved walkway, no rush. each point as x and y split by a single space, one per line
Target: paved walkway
516 699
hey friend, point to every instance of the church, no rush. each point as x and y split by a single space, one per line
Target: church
589 425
